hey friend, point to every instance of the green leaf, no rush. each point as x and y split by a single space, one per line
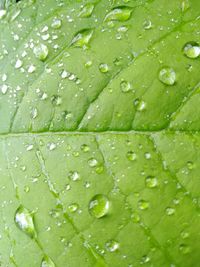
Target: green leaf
100 133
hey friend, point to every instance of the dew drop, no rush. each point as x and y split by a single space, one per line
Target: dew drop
82 38
112 245
4 89
56 23
92 162
191 50
121 13
47 262
131 155
99 206
86 10
85 148
147 24
73 207
185 249
41 51
135 217
56 100
125 86
24 221
103 67
167 76
143 204
185 5
151 182
2 13
74 175
18 64
170 211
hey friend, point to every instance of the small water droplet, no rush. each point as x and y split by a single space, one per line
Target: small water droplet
31 69
121 13
18 64
112 245
131 155
190 165
74 175
125 86
34 113
143 204
151 182
191 50
170 211
85 148
51 146
103 67
4 89
73 207
185 249
56 100
82 38
56 23
86 10
2 13
147 24
41 51
145 259
92 162
99 206
24 220
167 76
47 262
185 5
135 217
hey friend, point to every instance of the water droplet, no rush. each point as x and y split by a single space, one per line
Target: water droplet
56 23
167 76
82 38
47 262
56 100
121 13
51 146
135 217
185 5
34 113
185 249
125 86
2 13
131 155
41 51
185 235
147 24
4 89
103 67
112 245
191 50
86 10
24 220
145 259
18 64
31 69
143 204
92 162
73 207
74 175
85 148
151 182
190 165
147 155
99 206
141 105
170 211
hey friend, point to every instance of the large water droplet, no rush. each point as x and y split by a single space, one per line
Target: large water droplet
86 10
82 38
47 262
24 220
41 51
167 76
121 13
99 206
112 245
151 182
192 50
